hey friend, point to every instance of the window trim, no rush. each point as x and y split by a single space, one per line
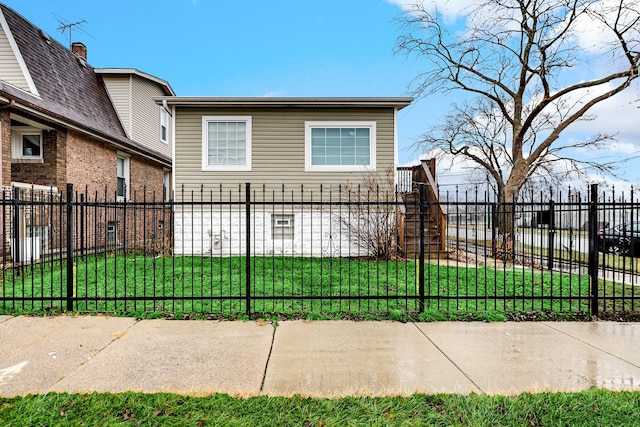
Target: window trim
127 176
17 135
283 226
164 123
205 143
309 167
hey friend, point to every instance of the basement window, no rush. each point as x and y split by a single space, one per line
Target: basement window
112 232
282 226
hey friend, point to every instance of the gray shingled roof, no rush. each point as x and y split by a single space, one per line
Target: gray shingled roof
69 89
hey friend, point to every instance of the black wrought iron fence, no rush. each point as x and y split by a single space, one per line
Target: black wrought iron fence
349 250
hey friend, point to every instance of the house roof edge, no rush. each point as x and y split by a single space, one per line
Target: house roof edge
134 71
207 101
50 116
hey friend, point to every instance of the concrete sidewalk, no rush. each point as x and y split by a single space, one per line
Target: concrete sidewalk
317 358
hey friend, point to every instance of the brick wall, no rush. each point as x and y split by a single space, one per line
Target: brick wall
5 127
92 164
143 172
48 172
88 163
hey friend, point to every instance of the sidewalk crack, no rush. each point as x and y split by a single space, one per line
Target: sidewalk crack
266 366
449 359
591 345
115 338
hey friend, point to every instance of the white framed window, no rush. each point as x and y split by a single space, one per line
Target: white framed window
123 177
164 125
26 143
340 146
226 143
112 232
41 232
282 226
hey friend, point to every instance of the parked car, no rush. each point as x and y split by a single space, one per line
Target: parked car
622 239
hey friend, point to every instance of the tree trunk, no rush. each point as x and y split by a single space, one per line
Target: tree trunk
507 198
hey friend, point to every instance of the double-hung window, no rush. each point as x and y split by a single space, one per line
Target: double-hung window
164 125
340 146
123 177
226 143
26 143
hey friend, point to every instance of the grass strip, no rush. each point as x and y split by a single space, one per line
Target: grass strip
594 407
296 286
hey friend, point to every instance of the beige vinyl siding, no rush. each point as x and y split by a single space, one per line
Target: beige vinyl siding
140 115
119 88
10 70
146 116
278 148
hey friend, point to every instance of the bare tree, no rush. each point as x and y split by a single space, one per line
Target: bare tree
371 216
522 62
479 132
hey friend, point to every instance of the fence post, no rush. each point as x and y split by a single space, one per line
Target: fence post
421 197
82 226
248 247
494 229
551 234
69 247
593 249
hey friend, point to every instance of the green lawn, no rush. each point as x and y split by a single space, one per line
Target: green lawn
290 286
585 409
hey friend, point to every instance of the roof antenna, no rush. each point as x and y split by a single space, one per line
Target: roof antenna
66 25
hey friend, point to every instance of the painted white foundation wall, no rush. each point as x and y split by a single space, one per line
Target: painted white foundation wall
222 234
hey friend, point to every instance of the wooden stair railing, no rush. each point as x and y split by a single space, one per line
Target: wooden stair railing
435 218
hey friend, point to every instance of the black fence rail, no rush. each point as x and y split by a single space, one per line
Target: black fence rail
328 251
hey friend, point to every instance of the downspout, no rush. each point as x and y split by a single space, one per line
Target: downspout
395 148
173 150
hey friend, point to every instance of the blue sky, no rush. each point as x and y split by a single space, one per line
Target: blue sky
273 48
246 48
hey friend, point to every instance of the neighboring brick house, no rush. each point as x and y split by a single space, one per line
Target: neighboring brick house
63 121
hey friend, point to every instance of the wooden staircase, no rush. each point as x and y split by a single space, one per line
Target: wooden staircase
433 220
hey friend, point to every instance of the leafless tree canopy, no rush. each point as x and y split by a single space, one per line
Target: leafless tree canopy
530 67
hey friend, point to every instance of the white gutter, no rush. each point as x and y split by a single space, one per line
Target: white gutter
204 101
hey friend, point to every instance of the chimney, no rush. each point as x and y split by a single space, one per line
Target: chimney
79 50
